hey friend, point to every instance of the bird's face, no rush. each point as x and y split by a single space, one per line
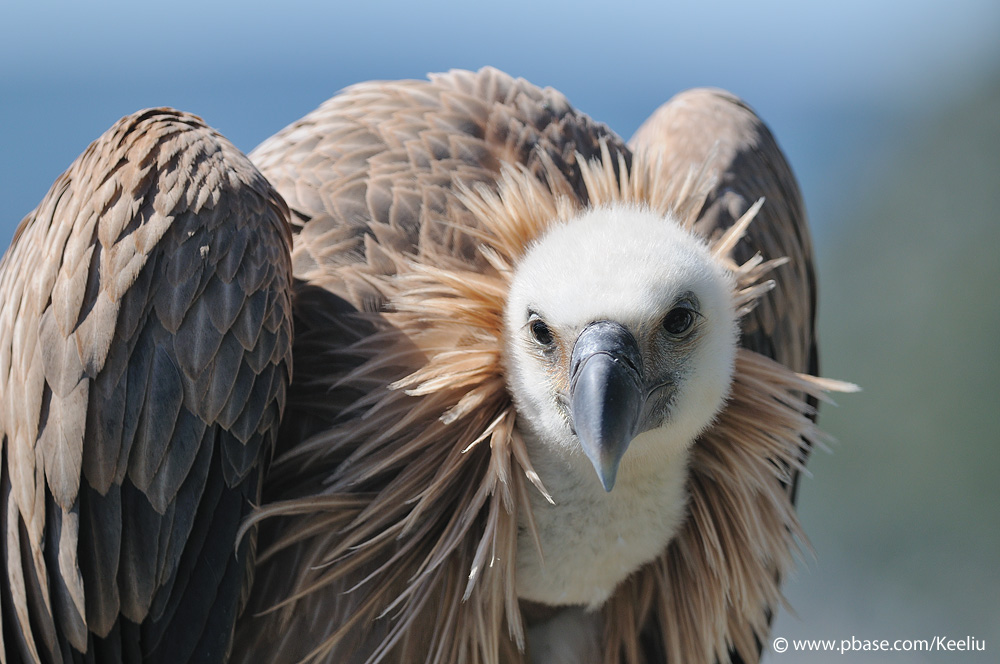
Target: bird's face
619 324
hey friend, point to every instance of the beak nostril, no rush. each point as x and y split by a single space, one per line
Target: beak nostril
627 360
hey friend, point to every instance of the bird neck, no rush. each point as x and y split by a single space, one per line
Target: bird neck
591 539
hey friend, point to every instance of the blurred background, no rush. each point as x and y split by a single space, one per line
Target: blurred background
889 113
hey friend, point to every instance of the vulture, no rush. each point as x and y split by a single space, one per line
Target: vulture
445 371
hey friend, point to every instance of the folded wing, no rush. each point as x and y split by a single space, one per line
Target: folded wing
145 340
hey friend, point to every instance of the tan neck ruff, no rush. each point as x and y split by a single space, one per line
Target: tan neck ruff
417 517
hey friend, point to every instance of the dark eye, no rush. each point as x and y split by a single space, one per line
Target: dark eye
540 331
678 321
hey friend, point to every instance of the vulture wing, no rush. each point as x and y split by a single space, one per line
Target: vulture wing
715 131
145 334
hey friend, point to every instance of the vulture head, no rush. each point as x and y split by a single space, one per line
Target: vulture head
621 331
621 335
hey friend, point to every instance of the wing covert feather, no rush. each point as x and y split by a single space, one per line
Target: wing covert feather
379 166
157 249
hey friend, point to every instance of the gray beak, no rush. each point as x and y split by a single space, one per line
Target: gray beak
606 395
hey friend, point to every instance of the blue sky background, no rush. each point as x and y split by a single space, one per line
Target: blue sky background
836 80
848 88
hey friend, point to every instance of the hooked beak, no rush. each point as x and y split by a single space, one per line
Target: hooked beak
606 395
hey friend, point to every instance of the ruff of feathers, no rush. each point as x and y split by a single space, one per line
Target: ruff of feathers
415 526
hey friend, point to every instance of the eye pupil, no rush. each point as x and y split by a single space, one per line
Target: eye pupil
678 321
541 332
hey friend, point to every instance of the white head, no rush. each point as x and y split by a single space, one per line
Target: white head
619 322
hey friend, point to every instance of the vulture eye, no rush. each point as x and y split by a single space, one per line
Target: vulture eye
540 332
678 321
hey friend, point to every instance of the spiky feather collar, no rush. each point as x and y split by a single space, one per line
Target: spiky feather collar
415 526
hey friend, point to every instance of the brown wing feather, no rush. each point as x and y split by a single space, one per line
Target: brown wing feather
377 167
144 355
714 131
